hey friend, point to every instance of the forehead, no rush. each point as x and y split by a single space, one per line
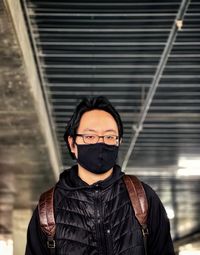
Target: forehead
97 120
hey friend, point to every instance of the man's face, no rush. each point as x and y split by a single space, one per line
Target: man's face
93 122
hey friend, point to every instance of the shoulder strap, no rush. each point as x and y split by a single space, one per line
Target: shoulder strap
138 200
139 203
46 217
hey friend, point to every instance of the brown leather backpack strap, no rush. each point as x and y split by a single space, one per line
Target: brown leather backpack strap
139 203
46 216
138 197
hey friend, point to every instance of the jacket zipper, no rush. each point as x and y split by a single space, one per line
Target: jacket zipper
109 241
99 225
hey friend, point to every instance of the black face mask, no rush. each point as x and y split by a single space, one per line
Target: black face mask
97 158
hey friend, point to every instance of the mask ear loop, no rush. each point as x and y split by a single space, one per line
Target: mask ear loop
73 145
73 142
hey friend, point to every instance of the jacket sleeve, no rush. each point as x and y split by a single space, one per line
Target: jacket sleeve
159 238
36 239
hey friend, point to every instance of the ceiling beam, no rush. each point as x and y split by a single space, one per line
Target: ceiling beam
40 101
161 66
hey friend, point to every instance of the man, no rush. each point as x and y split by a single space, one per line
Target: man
93 211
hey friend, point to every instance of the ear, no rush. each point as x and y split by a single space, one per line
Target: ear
120 141
71 144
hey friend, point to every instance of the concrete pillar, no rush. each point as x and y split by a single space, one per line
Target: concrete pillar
20 222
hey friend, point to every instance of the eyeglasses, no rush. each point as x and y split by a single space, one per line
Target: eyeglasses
92 139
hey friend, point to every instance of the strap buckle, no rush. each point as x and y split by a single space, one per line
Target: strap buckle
51 244
145 231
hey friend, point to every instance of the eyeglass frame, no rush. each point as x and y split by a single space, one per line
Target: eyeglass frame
99 136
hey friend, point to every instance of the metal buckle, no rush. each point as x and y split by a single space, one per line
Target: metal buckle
51 244
145 232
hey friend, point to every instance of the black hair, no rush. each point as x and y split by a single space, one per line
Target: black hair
88 104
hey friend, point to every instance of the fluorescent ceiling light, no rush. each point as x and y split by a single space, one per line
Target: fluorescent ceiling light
189 252
6 247
189 249
170 212
189 166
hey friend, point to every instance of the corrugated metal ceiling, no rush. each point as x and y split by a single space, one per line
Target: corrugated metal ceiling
114 48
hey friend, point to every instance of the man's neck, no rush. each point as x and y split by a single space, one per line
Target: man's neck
91 178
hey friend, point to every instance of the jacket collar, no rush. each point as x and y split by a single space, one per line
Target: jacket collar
70 180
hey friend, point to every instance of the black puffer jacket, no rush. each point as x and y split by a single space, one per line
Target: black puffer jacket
98 220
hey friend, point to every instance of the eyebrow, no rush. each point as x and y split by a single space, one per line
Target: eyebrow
110 130
93 130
